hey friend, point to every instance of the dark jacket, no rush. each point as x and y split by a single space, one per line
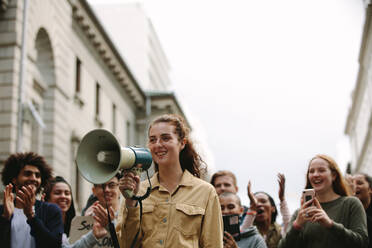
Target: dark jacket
46 226
369 224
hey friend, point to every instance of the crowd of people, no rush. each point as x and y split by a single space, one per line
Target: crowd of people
182 210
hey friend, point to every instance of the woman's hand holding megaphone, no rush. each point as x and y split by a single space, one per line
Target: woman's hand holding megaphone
129 181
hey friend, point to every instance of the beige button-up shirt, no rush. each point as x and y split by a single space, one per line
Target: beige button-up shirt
190 217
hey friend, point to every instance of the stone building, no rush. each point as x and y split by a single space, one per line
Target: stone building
359 120
60 76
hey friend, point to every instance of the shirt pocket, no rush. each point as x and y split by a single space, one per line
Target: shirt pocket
188 219
148 218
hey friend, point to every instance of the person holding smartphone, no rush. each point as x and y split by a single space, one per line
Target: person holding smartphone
332 218
248 237
182 210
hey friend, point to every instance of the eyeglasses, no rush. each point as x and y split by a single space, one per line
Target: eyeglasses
111 185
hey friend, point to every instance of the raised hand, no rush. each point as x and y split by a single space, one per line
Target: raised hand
26 197
252 198
100 221
281 181
8 202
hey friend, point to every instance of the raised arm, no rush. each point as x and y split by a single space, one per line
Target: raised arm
284 210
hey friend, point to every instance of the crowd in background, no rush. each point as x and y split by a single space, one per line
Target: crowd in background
182 210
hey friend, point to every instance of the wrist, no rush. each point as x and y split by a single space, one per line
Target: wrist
296 225
330 224
251 212
131 203
6 216
30 215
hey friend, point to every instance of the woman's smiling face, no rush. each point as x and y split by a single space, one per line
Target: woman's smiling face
61 195
320 175
164 143
362 189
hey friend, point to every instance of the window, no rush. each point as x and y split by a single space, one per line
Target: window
36 132
78 76
98 88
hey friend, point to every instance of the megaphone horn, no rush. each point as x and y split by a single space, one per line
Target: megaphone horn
100 157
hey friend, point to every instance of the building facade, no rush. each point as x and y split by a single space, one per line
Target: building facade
142 49
359 120
62 76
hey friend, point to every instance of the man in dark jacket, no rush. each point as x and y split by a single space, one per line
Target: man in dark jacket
25 221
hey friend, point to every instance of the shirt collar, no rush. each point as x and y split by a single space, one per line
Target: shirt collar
186 179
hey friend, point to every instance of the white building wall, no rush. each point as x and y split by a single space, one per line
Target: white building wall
50 85
359 121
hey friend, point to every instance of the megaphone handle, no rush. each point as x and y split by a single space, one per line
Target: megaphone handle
129 193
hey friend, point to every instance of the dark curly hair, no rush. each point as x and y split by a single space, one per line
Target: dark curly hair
189 158
70 214
17 161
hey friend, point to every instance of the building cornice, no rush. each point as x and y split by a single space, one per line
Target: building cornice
96 34
166 100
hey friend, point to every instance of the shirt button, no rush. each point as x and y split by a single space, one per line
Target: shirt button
164 220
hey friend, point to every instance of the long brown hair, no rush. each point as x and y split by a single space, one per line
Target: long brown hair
70 214
189 158
339 184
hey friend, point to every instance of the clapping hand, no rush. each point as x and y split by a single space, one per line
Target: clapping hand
8 202
26 197
101 220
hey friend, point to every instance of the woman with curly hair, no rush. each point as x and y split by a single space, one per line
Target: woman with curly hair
182 210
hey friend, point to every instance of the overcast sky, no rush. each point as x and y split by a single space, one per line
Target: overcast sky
268 82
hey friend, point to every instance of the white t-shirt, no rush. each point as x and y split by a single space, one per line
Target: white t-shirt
20 231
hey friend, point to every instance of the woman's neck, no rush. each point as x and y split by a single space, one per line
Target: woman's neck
263 227
170 176
366 202
327 196
63 217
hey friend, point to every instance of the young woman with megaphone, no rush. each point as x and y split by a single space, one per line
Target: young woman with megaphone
182 210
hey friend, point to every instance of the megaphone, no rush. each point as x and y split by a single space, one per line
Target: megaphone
100 157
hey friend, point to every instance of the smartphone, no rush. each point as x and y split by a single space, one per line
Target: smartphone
308 194
231 225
